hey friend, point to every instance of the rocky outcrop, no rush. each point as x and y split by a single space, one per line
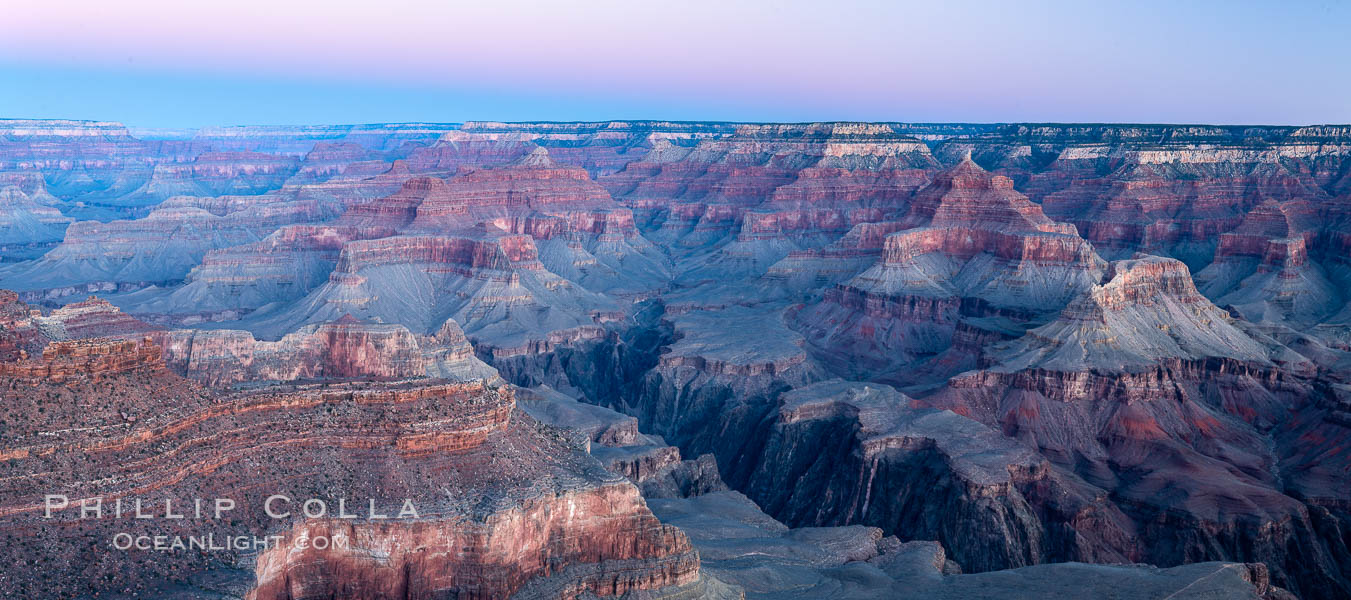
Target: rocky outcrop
698 195
1145 311
97 358
838 453
455 150
604 542
344 349
805 271
328 159
1194 428
20 334
613 438
395 211
582 234
91 318
527 514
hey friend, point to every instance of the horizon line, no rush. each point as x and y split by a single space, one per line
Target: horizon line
674 121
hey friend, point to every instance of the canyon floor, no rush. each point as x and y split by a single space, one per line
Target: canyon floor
678 360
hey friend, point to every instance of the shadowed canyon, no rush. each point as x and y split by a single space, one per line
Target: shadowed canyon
676 360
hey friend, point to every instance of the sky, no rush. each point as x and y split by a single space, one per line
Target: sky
186 64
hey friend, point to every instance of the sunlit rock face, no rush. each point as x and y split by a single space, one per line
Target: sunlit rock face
848 360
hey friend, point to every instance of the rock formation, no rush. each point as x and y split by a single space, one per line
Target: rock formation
851 359
526 513
27 226
969 246
161 248
741 545
343 349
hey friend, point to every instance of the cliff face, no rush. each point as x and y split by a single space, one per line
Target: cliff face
772 561
94 358
534 183
1137 386
602 541
882 462
969 247
344 349
1144 312
161 248
232 281
732 207
29 227
1263 268
528 514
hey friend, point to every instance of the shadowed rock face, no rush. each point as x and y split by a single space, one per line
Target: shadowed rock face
1012 347
743 546
30 226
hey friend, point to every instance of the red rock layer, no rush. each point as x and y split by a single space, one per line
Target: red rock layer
93 358
835 187
326 240
1271 231
969 246
331 158
19 334
608 527
699 195
534 183
963 244
968 195
354 184
503 507
398 210
93 318
232 281
1149 209
469 256
604 224
344 349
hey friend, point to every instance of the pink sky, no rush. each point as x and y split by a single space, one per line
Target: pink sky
871 60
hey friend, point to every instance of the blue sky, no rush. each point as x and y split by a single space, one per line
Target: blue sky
154 63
